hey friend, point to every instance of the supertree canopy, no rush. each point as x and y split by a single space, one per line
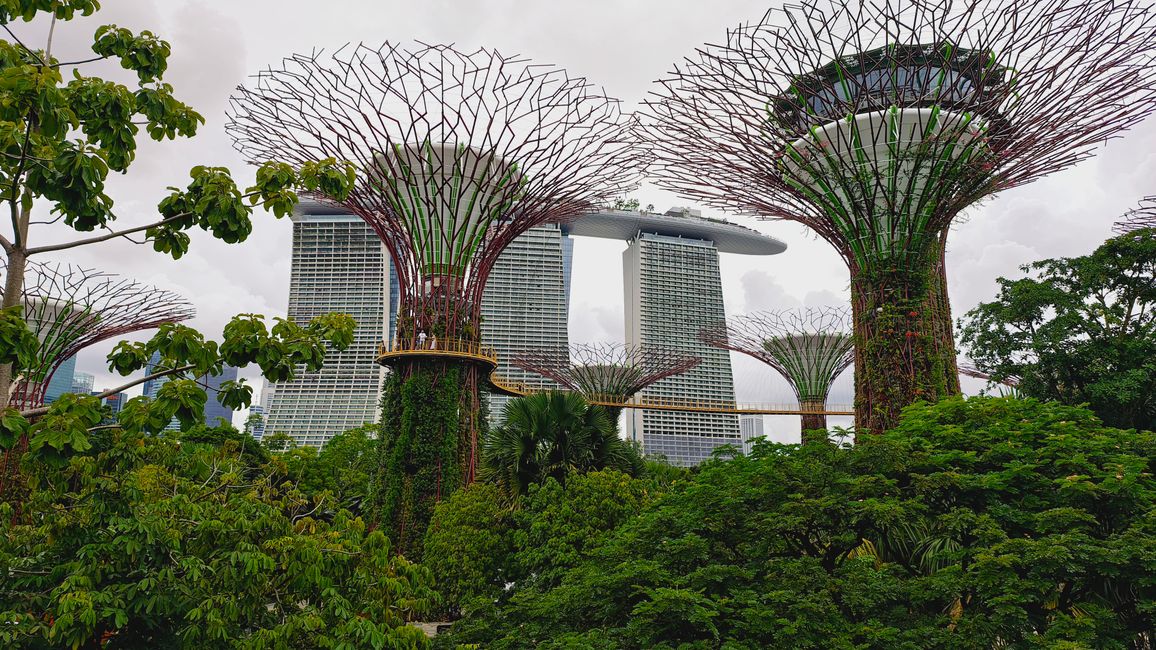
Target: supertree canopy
810 348
1143 216
457 153
69 308
875 122
607 373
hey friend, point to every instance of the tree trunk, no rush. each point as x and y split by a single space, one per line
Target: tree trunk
900 351
815 420
13 295
431 424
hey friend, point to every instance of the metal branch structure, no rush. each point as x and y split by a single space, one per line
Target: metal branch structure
971 370
457 154
69 308
1143 216
876 122
607 373
810 348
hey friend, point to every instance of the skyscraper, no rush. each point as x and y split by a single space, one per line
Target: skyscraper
215 413
525 304
61 381
339 265
750 427
672 290
255 423
82 383
153 386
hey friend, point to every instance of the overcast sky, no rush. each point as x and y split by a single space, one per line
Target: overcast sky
622 45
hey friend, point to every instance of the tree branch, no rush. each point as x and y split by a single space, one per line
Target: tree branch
113 235
36 412
105 237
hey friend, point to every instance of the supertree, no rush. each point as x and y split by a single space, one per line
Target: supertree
457 153
69 308
1143 216
810 348
607 373
875 122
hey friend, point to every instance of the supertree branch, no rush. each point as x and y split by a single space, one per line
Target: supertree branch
1143 216
457 152
972 370
875 123
810 348
606 372
69 308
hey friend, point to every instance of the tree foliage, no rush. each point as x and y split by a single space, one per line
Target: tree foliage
197 542
553 434
467 547
974 524
62 132
341 469
1079 330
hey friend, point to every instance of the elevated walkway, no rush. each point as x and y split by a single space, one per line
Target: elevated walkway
486 357
432 348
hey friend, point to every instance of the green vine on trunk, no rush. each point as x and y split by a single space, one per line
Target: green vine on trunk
419 455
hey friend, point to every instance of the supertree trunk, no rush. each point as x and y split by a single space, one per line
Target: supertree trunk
942 328
813 416
432 422
899 357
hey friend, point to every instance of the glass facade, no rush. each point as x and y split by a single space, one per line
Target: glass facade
61 380
215 414
338 265
673 289
524 305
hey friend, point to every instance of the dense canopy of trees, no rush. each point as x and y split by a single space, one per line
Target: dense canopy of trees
197 541
1078 330
990 522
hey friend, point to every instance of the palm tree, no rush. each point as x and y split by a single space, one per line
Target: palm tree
550 435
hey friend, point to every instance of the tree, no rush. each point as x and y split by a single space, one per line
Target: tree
194 542
549 435
979 523
62 139
1078 330
467 547
341 468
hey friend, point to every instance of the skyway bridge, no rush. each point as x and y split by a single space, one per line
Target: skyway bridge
487 358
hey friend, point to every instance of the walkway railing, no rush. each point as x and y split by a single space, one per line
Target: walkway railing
434 347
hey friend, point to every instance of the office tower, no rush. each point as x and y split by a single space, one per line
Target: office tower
525 304
255 422
151 387
215 413
339 265
82 383
114 403
750 427
61 381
